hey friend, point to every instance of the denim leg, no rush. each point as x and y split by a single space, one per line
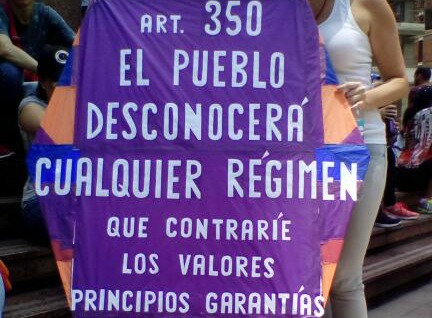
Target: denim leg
389 198
2 296
34 222
11 81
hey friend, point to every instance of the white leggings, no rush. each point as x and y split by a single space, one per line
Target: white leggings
347 299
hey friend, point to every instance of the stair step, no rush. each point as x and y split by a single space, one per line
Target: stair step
27 261
45 303
397 265
10 200
407 230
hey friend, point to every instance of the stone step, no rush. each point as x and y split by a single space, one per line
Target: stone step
27 262
44 303
397 265
14 200
382 238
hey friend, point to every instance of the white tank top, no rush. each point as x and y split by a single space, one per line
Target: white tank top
351 54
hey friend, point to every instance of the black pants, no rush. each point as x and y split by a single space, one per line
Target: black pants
389 198
83 11
405 179
11 81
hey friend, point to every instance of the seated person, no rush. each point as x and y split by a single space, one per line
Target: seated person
30 114
391 211
414 171
390 206
25 28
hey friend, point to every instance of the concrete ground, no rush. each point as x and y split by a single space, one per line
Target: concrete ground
413 302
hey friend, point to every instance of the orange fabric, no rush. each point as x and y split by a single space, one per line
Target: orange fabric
64 257
59 118
65 270
330 251
328 272
339 122
60 253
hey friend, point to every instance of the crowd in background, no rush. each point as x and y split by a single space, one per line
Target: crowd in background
409 153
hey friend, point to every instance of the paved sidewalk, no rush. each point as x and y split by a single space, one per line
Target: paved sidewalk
415 302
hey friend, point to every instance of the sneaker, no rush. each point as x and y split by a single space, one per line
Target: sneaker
425 206
400 210
385 221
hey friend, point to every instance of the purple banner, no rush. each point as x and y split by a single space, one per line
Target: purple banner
196 186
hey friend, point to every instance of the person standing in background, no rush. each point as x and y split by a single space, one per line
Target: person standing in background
422 77
355 32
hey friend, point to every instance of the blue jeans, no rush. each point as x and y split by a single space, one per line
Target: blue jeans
2 296
34 222
11 81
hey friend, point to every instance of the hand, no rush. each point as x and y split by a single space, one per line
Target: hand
355 93
388 112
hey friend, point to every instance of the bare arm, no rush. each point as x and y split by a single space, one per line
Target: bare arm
384 38
30 118
15 55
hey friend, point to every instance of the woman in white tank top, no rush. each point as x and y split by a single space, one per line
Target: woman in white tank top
356 32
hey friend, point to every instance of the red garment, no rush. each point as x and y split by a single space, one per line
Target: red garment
418 140
4 272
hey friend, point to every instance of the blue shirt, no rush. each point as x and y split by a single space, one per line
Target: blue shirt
46 27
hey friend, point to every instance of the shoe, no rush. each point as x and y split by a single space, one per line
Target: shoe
385 221
400 210
425 206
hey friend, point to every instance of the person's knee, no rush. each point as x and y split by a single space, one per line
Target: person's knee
347 285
